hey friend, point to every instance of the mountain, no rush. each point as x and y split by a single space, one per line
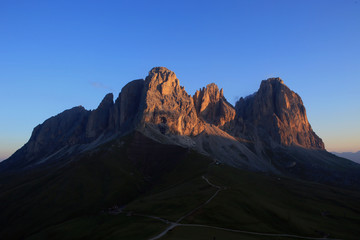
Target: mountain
267 131
157 156
353 156
277 114
212 106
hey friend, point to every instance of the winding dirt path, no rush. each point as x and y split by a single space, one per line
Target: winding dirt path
219 188
175 224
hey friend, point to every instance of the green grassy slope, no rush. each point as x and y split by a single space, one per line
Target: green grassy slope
103 226
251 202
90 183
262 203
148 178
48 196
203 233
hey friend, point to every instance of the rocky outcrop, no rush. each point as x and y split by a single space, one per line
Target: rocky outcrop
120 117
99 119
275 113
128 106
66 128
170 117
167 105
63 130
212 106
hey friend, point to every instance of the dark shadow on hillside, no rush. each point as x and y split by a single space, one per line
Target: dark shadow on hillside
126 168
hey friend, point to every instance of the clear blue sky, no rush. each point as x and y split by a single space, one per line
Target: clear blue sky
58 54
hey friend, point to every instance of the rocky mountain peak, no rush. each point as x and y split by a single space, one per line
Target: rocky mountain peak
99 119
212 91
211 105
163 80
161 109
275 80
168 107
107 101
128 105
277 112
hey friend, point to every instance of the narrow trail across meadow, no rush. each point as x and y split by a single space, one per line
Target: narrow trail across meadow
177 223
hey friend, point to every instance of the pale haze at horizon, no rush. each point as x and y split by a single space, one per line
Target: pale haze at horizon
57 55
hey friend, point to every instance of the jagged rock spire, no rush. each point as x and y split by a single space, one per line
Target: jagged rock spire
167 105
212 106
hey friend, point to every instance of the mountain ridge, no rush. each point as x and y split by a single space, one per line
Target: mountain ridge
271 121
353 156
156 153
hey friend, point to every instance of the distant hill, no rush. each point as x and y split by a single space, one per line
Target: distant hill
353 156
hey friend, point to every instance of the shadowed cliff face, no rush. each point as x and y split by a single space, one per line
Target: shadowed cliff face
277 113
63 130
100 119
128 106
77 129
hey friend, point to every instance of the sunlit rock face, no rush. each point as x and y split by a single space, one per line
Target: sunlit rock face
167 104
277 112
212 106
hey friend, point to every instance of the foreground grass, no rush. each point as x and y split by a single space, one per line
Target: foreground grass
179 191
269 204
102 227
203 233
67 203
251 202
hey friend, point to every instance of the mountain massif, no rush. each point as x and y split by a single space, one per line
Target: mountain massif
151 134
270 123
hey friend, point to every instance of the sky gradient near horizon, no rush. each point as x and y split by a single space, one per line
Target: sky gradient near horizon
58 54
